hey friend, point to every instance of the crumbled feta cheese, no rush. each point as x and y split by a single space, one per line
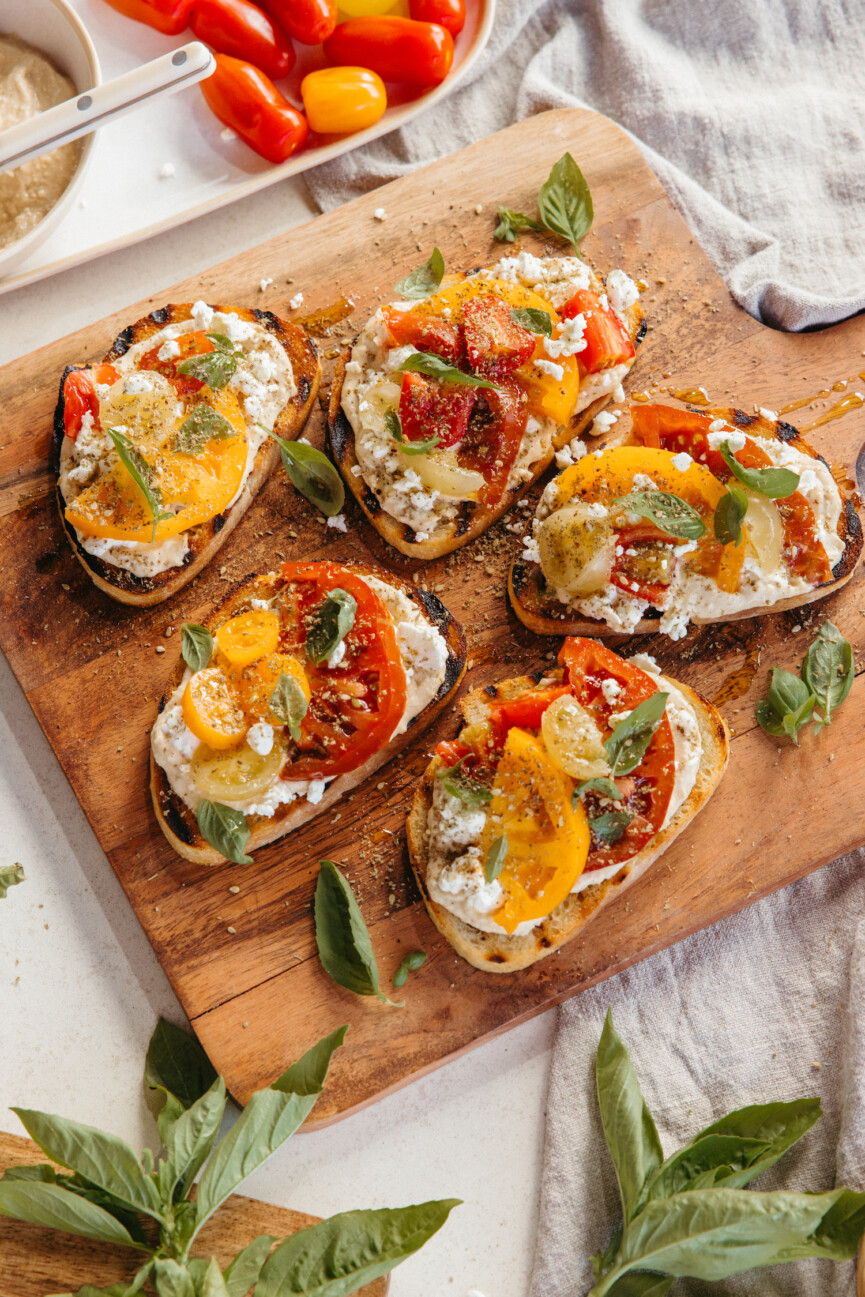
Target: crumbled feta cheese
611 689
380 214
337 655
603 422
338 521
167 171
569 339
723 433
202 315
260 738
296 301
137 383
169 349
356 470
766 414
265 283
682 462
549 367
622 291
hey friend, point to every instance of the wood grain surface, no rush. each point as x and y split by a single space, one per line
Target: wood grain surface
244 963
40 1261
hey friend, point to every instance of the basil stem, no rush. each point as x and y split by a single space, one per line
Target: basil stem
225 829
729 512
668 512
496 856
534 320
628 742
425 280
196 645
424 362
330 624
393 423
142 474
342 937
776 483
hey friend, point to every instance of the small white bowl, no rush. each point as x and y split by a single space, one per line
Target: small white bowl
53 27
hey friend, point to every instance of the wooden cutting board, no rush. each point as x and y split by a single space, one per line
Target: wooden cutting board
244 963
37 1261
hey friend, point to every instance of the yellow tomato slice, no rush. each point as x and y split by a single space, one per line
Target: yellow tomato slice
463 290
548 841
249 636
257 683
211 709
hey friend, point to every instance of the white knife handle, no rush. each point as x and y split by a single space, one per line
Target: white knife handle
105 103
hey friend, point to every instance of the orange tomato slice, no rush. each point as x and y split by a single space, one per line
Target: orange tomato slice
248 636
211 709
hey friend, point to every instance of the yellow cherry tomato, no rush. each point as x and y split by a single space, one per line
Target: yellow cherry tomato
371 8
548 840
249 636
211 709
340 101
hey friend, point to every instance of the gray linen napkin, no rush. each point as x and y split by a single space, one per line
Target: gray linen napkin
751 114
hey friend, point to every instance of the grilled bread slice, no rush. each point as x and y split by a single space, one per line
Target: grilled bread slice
206 538
179 823
537 607
473 518
500 953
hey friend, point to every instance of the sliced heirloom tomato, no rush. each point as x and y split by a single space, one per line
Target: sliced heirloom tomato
79 396
608 342
211 709
495 344
190 343
644 563
428 408
494 436
355 707
526 711
648 789
425 332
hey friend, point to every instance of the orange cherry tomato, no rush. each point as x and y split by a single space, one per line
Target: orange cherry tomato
170 17
308 21
79 396
245 99
239 28
398 49
450 14
339 101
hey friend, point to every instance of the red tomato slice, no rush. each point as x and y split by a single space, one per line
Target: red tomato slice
357 705
647 791
190 344
426 333
526 712
492 442
631 572
495 344
608 342
432 409
79 396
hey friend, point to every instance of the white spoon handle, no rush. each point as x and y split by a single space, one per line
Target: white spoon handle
92 108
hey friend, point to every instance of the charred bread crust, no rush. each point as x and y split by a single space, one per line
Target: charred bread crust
499 953
206 538
473 518
544 615
178 822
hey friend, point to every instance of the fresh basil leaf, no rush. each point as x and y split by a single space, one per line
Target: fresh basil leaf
411 962
56 1208
424 362
729 512
788 706
308 1074
202 425
82 1188
330 624
776 483
225 829
119 1289
535 321
768 721
105 1161
496 857
610 826
177 1064
393 423
289 703
142 475
342 937
628 742
840 1231
170 1279
337 1256
510 224
424 281
10 876
41 1174
192 1137
245 1269
565 203
606 787
215 368
471 792
196 645
828 669
793 721
212 1283
642 1283
667 512
629 1130
722 1156
311 473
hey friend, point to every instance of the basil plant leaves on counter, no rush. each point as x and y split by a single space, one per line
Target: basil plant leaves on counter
691 1214
105 1190
826 678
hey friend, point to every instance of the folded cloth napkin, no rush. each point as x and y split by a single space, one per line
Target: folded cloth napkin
751 114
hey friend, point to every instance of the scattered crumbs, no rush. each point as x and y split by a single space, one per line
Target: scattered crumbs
816 1066
296 301
231 930
234 890
831 756
160 648
381 785
479 208
265 283
167 171
244 1024
380 214
736 842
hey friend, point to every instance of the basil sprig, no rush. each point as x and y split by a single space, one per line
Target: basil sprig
564 203
536 321
424 281
691 1214
601 785
827 675
311 473
196 645
104 1186
628 742
471 792
289 703
226 829
416 959
776 483
203 424
496 857
510 224
424 362
669 513
142 474
393 423
610 826
342 937
215 368
10 876
787 707
330 624
729 513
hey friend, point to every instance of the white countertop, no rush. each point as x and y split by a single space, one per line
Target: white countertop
81 987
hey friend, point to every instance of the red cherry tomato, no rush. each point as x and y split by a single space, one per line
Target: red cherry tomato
608 342
495 344
398 49
246 99
450 14
79 396
431 409
239 28
308 21
168 16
